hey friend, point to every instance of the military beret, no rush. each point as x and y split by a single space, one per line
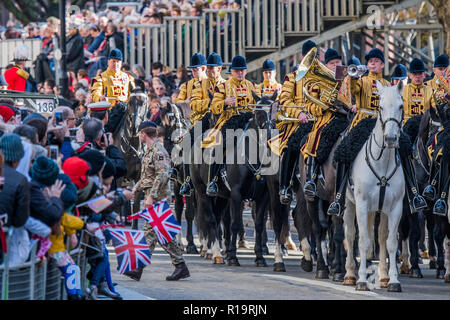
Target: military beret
147 124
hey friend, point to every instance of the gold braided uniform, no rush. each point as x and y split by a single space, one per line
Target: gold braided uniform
436 84
416 100
367 99
323 117
268 88
200 97
117 86
186 90
242 90
291 96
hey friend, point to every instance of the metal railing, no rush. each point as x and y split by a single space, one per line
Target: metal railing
37 279
340 9
263 20
301 17
7 52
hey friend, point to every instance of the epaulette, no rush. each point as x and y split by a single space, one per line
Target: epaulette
22 73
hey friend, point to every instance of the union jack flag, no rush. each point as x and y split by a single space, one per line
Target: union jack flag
162 220
131 249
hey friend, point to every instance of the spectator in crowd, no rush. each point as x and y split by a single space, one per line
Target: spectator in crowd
138 71
160 88
182 76
74 48
155 112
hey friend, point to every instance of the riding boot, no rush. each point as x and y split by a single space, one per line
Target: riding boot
288 162
416 201
186 187
429 192
440 207
173 173
310 185
337 207
212 188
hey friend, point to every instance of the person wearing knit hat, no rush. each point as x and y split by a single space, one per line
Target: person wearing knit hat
95 159
12 148
7 114
44 171
77 169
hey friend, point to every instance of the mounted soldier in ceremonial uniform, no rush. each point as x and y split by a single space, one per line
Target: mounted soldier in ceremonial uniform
114 86
287 143
200 99
439 173
367 103
198 66
230 99
269 86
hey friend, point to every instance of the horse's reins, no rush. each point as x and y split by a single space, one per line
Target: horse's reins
382 181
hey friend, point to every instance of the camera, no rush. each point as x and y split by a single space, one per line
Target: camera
73 133
54 152
59 117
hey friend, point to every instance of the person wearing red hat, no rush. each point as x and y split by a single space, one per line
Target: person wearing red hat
77 170
7 114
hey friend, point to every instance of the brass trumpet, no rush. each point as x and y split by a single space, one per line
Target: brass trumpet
355 71
287 119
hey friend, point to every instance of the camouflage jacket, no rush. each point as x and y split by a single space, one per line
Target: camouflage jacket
155 172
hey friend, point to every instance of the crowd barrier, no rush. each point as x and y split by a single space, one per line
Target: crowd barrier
38 279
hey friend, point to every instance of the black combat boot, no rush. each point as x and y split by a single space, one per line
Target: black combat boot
310 189
417 202
181 271
288 162
212 189
440 207
135 274
429 192
337 207
186 187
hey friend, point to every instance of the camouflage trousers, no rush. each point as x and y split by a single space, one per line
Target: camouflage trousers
171 248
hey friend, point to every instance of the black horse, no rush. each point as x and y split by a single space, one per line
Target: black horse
244 181
410 223
175 117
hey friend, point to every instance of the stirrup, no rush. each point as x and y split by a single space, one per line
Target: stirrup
310 189
186 189
419 202
335 209
285 195
429 192
212 189
440 208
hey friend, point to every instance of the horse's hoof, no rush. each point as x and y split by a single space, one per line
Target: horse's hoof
349 281
362 286
191 249
208 256
424 255
322 274
233 262
447 278
433 264
394 287
306 265
284 251
265 250
260 262
338 277
291 246
243 244
384 283
440 274
203 253
404 269
218 260
415 273
279 267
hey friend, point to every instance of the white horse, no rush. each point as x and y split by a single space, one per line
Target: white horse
377 164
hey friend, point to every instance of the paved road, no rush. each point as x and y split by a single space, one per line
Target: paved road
247 282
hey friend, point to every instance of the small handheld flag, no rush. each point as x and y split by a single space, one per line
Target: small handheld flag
162 220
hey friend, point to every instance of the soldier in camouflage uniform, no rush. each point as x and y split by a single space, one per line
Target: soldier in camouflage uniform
154 183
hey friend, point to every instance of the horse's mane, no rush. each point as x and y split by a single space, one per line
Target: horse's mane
185 109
